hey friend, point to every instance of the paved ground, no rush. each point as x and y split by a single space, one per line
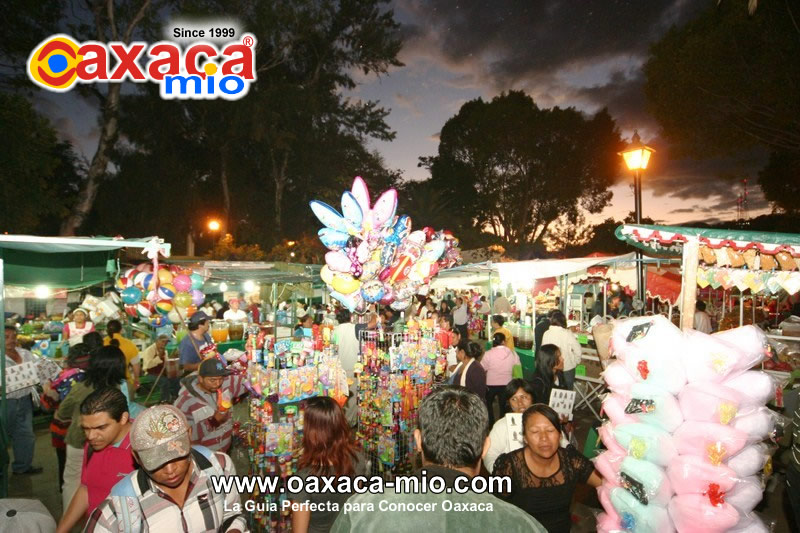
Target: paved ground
44 486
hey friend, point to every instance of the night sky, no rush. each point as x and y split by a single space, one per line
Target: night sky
587 54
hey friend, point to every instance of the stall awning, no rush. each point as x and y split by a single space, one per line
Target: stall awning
64 262
669 239
256 271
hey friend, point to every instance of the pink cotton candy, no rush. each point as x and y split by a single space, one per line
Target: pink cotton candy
746 494
618 378
756 387
757 423
711 358
604 495
750 460
709 402
690 474
713 442
750 523
608 464
607 524
750 340
614 406
606 433
694 513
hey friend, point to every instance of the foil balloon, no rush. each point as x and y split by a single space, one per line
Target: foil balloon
345 283
338 261
326 274
332 239
372 291
388 295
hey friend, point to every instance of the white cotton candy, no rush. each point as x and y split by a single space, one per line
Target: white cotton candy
757 423
756 387
746 494
750 460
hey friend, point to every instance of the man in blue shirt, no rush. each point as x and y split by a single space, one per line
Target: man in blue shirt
194 341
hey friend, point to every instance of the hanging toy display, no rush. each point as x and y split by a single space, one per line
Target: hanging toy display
171 295
374 256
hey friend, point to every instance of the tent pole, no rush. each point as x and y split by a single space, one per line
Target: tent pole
491 306
741 308
4 470
275 309
691 249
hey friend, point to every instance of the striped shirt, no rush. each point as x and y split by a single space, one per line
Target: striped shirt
199 407
137 505
796 438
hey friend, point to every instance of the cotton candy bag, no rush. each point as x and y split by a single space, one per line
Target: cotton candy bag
710 358
750 460
646 481
756 387
691 474
746 494
714 442
637 517
647 442
750 340
618 378
757 424
694 513
709 402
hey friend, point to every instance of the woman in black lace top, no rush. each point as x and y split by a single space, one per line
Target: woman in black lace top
544 475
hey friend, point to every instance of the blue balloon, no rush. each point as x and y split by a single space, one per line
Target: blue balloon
131 296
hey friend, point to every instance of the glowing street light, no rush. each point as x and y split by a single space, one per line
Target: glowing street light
636 157
249 285
223 286
214 225
41 292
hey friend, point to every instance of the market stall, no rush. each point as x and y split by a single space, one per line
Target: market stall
58 263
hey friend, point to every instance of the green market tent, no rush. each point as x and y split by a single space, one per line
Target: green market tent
61 263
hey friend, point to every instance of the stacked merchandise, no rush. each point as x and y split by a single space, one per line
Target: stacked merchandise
281 375
686 423
395 372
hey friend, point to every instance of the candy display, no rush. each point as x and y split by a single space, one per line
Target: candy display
374 255
686 424
395 372
281 375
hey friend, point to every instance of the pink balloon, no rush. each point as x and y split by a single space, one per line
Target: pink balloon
182 283
197 297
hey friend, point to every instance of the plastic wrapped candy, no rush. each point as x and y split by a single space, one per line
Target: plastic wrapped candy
654 405
711 358
637 517
643 441
757 423
606 433
653 368
646 481
690 474
709 402
751 340
713 442
750 523
618 378
608 464
750 460
607 524
654 335
746 494
604 495
695 513
614 407
757 388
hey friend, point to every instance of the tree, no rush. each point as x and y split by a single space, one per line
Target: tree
514 168
728 81
780 181
38 173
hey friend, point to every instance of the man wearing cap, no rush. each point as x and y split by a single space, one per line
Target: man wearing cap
235 314
173 490
197 338
206 399
107 455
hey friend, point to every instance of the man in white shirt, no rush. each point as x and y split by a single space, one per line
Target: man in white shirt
702 322
501 305
461 317
344 336
568 345
20 410
234 313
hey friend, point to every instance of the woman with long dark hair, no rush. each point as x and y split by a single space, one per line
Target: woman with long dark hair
106 369
543 474
328 450
470 374
499 364
548 372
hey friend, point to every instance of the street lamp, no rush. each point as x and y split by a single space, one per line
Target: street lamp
214 225
636 157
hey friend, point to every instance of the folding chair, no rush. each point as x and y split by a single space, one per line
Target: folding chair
589 390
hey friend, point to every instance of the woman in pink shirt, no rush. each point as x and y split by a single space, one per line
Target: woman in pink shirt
499 363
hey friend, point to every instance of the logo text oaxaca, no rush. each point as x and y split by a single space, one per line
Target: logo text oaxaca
199 71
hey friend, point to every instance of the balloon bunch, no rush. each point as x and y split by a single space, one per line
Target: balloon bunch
172 294
375 256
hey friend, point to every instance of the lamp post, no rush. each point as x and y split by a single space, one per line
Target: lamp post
213 226
636 157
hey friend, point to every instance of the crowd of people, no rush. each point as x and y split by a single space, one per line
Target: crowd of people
121 465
